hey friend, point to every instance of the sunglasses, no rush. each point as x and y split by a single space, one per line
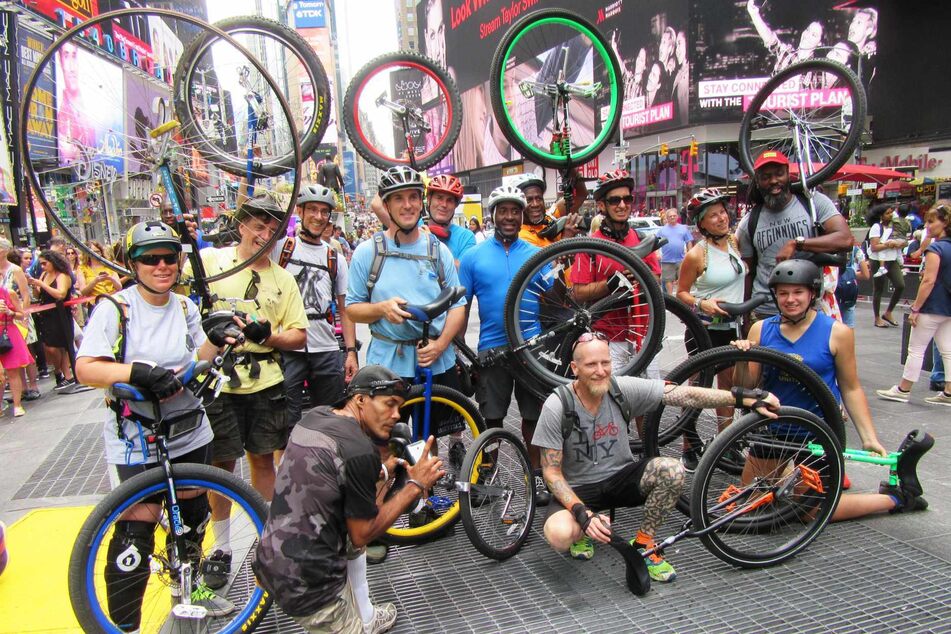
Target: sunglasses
737 264
588 337
617 200
153 259
251 292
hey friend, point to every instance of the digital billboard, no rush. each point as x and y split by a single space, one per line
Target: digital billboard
41 124
143 111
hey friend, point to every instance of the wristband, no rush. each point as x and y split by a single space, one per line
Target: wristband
580 512
742 393
915 311
351 349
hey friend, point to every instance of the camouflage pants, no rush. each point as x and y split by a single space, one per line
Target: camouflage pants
340 616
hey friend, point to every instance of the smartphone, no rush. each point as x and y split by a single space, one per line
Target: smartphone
415 450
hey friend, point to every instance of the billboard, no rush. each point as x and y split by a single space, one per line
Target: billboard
142 113
739 45
8 194
89 119
41 125
319 40
308 14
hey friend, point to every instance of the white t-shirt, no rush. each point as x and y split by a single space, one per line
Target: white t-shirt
885 255
315 289
162 335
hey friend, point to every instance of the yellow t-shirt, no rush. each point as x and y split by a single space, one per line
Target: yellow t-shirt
278 301
104 287
529 233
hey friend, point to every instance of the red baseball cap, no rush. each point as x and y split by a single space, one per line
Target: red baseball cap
770 156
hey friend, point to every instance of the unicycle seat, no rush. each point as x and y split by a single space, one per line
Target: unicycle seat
428 312
912 448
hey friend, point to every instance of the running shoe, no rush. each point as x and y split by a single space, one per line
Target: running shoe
690 458
422 517
457 453
376 553
906 501
893 394
659 568
65 386
18 412
583 549
542 495
31 395
939 399
384 616
216 569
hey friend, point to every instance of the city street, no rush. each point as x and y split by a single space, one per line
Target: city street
890 573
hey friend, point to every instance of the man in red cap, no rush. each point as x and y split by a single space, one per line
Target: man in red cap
779 224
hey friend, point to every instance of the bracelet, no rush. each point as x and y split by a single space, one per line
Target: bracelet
915 311
386 472
422 489
351 349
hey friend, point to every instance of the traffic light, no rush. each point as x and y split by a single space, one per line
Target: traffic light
694 149
664 150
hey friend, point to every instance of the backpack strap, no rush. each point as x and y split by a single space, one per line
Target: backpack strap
332 271
434 258
569 417
118 349
379 255
615 391
287 251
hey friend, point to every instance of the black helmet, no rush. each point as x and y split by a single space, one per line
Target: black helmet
801 272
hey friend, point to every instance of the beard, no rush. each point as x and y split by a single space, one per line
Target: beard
778 201
599 389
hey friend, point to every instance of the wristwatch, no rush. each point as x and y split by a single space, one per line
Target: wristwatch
800 242
351 349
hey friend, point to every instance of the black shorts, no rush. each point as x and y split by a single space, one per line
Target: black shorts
254 422
494 393
623 489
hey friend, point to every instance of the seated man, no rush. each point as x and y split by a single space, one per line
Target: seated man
828 347
328 504
587 461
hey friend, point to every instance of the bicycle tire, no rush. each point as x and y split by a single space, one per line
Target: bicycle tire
695 339
401 533
797 436
603 52
539 353
84 565
447 88
30 170
484 513
665 427
840 149
310 132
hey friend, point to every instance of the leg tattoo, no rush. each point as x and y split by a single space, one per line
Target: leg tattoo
662 482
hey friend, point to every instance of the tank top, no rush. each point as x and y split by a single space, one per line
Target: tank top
720 279
939 301
812 349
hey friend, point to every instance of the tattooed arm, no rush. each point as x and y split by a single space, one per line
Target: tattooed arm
703 397
599 528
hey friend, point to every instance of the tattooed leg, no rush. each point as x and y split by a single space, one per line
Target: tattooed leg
662 482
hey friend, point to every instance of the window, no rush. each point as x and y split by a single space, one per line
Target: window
409 16
411 30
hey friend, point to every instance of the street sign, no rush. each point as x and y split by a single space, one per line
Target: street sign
156 199
215 199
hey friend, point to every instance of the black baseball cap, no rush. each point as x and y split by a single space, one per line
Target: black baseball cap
377 380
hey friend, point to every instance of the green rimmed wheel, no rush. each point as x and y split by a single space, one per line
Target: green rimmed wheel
556 88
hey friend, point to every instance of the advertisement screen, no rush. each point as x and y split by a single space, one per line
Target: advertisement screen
7 185
41 125
143 99
739 45
89 118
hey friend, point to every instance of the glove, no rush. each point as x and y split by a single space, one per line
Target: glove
219 335
580 511
257 331
160 381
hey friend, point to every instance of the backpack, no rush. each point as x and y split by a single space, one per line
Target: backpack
380 253
847 290
569 417
285 258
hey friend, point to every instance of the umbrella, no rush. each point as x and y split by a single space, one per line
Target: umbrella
856 173
896 189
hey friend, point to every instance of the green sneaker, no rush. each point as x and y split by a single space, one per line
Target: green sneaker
583 549
658 567
216 605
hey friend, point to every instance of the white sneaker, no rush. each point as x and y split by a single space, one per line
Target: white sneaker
939 399
384 616
880 272
893 394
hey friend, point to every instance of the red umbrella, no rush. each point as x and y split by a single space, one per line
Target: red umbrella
896 189
856 173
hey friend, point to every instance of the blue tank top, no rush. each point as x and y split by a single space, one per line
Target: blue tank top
812 349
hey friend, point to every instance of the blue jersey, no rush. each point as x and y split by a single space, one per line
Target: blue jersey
460 240
415 281
812 349
487 272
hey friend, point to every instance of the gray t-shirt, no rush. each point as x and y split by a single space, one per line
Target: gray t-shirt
601 448
160 334
775 229
315 289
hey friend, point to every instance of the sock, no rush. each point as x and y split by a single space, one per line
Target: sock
357 577
902 391
222 532
896 500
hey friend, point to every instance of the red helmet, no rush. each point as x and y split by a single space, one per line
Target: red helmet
446 184
703 199
610 180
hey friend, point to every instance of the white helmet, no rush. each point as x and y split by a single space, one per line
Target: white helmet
506 193
317 194
524 181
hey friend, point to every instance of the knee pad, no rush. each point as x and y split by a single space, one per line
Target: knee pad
196 512
130 548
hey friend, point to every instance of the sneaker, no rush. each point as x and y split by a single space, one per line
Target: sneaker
18 412
43 374
690 458
376 553
939 399
217 606
31 395
907 502
384 616
583 549
422 517
65 386
216 569
542 495
893 394
880 272
457 453
658 567
936 386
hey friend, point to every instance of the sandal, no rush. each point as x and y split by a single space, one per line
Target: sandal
881 325
890 321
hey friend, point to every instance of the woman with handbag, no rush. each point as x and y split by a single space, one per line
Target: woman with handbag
14 354
13 279
884 251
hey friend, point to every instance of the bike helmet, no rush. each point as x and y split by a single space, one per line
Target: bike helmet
376 380
446 184
801 272
701 201
150 235
262 205
610 180
506 193
524 181
399 178
317 194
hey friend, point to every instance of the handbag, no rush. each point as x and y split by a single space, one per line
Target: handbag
847 290
5 344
